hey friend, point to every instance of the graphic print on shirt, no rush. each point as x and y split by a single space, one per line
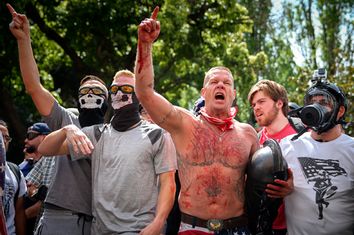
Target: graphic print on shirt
320 172
8 197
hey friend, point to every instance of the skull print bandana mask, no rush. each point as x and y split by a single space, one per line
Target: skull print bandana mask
92 109
126 110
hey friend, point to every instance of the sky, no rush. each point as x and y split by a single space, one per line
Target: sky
296 49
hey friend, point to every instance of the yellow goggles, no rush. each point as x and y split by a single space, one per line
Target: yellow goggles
126 89
94 90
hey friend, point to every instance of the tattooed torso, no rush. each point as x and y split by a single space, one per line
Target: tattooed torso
212 170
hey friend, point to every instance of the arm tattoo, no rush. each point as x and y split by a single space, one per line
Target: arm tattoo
165 117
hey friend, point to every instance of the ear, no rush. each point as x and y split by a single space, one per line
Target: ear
279 103
341 112
202 92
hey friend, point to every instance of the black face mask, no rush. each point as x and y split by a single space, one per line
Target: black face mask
92 109
126 116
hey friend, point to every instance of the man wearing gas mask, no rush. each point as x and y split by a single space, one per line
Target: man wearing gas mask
70 213
322 163
133 163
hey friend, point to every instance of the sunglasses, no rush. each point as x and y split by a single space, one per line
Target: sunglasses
32 135
94 90
126 89
7 138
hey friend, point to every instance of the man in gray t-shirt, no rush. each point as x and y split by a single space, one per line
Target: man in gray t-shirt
68 202
133 165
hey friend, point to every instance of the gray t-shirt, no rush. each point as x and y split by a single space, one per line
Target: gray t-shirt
125 169
71 182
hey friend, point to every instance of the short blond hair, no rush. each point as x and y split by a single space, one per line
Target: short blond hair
124 72
210 72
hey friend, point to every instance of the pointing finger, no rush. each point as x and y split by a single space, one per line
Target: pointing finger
154 13
11 9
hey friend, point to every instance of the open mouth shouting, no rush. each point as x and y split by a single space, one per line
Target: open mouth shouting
219 96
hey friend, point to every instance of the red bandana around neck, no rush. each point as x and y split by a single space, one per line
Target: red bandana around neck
222 124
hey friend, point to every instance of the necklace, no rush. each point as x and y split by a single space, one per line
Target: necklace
218 133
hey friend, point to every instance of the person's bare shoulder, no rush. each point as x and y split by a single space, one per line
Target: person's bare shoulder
249 135
186 119
185 115
246 128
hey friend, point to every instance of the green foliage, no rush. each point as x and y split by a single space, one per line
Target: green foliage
328 45
73 38
197 35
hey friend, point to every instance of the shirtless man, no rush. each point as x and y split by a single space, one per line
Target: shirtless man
213 148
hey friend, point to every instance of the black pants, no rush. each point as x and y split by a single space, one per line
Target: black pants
174 218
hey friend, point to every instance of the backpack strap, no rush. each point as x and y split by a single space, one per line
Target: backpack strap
297 124
16 170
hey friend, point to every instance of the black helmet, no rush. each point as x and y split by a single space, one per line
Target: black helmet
315 115
266 165
334 95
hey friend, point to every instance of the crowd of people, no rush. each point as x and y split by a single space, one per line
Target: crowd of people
81 175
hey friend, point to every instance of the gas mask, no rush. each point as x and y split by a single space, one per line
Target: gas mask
319 116
321 105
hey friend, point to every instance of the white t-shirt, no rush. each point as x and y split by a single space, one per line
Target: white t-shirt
323 197
11 186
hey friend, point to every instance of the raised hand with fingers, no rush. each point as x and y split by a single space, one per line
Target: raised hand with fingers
148 31
149 28
19 25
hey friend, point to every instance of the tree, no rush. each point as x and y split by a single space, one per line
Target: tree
74 38
197 35
324 32
68 42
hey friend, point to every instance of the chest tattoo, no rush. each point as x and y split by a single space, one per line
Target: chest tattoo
205 149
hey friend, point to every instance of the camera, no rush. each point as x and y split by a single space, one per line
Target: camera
319 76
315 115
